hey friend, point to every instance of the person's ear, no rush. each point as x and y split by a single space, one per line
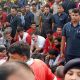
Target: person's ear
24 58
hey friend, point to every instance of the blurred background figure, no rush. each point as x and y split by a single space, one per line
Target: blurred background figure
16 70
3 54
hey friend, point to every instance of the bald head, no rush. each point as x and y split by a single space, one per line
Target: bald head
16 71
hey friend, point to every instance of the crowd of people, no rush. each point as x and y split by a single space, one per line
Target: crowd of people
39 41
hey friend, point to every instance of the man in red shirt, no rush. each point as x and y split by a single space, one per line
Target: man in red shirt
32 29
49 43
21 52
22 36
3 17
58 33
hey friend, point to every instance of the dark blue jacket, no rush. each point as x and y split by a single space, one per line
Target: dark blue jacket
21 3
29 18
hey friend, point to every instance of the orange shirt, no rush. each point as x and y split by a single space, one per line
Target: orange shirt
41 70
30 31
48 46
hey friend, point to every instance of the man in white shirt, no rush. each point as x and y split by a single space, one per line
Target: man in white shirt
37 43
22 36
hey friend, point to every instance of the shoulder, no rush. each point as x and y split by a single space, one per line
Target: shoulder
41 38
26 34
55 15
50 14
4 13
55 33
42 14
47 40
65 14
39 61
31 13
67 25
9 15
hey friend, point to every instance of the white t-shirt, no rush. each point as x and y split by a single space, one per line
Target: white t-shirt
25 34
2 41
40 42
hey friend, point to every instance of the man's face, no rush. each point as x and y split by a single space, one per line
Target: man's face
59 30
42 8
34 37
19 13
8 36
46 9
75 17
49 36
70 12
21 33
33 7
22 74
13 12
56 42
3 53
52 56
27 8
60 9
33 26
73 74
23 10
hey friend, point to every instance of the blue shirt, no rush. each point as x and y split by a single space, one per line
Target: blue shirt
29 18
60 20
21 3
72 35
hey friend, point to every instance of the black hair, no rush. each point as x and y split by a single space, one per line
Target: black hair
10 68
36 33
20 48
58 39
61 5
49 32
47 6
53 52
59 27
27 5
33 22
33 4
14 8
19 29
75 10
38 56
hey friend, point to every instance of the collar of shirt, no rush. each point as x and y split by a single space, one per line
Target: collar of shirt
30 61
46 14
60 14
77 24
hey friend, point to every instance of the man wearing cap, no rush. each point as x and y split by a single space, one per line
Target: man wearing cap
72 70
